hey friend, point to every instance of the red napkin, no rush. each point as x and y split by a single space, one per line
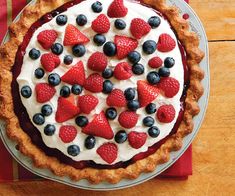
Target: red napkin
10 170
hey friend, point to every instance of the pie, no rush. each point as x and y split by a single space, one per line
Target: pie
100 90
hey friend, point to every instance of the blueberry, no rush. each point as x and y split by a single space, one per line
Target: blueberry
107 73
61 20
121 137
99 39
46 110
134 57
65 91
73 150
164 72
57 48
34 54
149 46
107 86
120 24
97 7
138 69
111 113
39 73
133 105
148 121
49 130
68 59
76 89
153 132
154 22
81 121
130 93
153 77
90 142
110 49
151 108
81 19
38 119
54 79
26 91
169 62
79 50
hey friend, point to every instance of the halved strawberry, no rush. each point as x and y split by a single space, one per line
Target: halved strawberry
165 43
170 86
94 83
117 9
46 38
137 139
44 92
50 61
116 98
87 103
101 24
108 152
97 61
122 71
67 133
139 28
128 119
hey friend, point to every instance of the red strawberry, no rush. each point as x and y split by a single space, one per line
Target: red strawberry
87 103
67 133
116 98
101 24
50 61
97 61
65 110
94 83
146 93
155 62
165 43
139 28
166 113
44 92
75 75
128 119
170 86
99 127
122 71
124 45
74 36
46 38
137 139
108 152
117 9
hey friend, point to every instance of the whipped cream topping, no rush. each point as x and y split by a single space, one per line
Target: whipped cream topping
26 77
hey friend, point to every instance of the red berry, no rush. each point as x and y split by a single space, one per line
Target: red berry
97 61
108 152
94 83
87 103
165 43
128 119
117 9
155 62
139 28
166 113
101 24
116 98
50 61
44 92
170 86
67 133
46 38
122 71
137 139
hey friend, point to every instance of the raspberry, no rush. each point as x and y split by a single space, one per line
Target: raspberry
97 61
67 133
44 92
139 28
165 43
128 119
166 113
108 152
50 61
137 139
101 24
47 38
122 71
170 86
155 62
116 99
117 9
94 83
87 103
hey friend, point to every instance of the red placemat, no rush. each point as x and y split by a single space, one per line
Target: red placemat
10 170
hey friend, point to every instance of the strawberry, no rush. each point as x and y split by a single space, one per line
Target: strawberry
155 62
97 61
122 71
146 93
99 127
67 133
108 152
101 24
94 83
165 43
139 28
124 45
74 36
87 103
75 75
128 119
44 92
50 61
65 110
137 139
46 38
166 113
170 86
117 9
116 98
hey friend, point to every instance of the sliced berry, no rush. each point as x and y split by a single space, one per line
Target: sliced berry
120 24
155 62
90 142
117 9
165 43
65 91
34 54
138 69
87 103
154 22
153 77
128 119
149 46
107 86
166 113
61 20
50 61
67 133
116 99
111 113
110 49
54 79
57 48
99 39
134 57
49 130
133 105
139 28
137 139
97 61
68 59
148 121
81 20
164 72
26 91
46 110
108 152
73 150
107 73
130 93
170 86
38 119
97 7
151 108
77 89
46 38
153 132
122 71
81 121
101 24
94 83
39 73
169 62
121 137
44 92
79 50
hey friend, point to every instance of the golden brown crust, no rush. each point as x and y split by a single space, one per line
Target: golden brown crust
14 131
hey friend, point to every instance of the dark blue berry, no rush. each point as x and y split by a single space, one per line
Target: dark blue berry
110 49
61 20
130 93
65 91
39 73
81 19
46 110
76 89
164 72
57 48
149 46
133 105
26 91
99 39
73 150
134 57
107 86
90 142
111 113
54 79
120 24
38 119
153 132
97 7
148 121
34 54
49 130
107 73
151 108
68 59
154 22
138 69
169 62
121 137
81 121
79 50
153 77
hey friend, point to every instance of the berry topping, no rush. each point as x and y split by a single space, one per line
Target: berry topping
67 133
153 132
110 49
54 79
79 50
117 9
65 91
46 38
107 73
49 130
39 73
154 22
99 39
107 86
165 43
148 121
94 83
116 98
121 137
151 108
26 91
38 119
44 92
57 48
120 24
164 72
81 121
169 62
111 113
97 7
139 28
138 69
130 93
81 20
76 89
166 113
97 61
61 20
108 152
155 62
87 103
101 24
46 110
149 46
134 57
170 86
153 77
50 61
128 119
122 71
73 150
90 142
99 127
34 54
137 139
133 105
68 59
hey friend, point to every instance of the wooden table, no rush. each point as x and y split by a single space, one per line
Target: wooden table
214 147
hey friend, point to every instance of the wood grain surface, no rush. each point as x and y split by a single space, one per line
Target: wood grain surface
214 146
